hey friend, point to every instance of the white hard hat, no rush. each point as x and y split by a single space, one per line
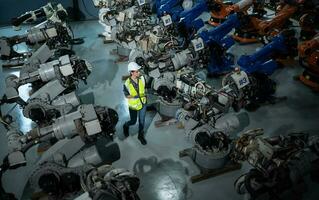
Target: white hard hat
133 66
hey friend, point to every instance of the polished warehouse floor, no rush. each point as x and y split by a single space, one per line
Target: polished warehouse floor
163 175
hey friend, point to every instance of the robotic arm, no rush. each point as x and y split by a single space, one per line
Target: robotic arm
239 90
208 47
205 121
171 7
266 27
111 13
187 19
307 47
53 78
216 43
280 163
220 10
67 70
209 102
203 51
309 59
66 158
89 122
255 27
55 34
284 44
52 12
85 182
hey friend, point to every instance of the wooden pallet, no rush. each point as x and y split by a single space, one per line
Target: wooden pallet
206 174
209 173
165 122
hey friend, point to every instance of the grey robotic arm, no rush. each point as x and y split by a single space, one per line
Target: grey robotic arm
208 101
85 182
55 34
57 76
53 12
82 127
279 163
53 78
88 122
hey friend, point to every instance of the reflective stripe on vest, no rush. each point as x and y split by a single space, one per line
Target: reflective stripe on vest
135 103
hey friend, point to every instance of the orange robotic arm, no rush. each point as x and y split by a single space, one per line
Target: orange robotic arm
222 10
307 47
309 59
273 26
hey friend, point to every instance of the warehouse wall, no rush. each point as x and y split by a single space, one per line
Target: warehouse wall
14 8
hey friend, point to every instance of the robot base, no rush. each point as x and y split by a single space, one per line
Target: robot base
167 112
168 109
245 37
216 21
309 80
218 164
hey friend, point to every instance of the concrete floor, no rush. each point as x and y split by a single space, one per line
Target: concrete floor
162 173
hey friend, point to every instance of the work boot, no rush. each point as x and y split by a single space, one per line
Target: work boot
125 131
141 138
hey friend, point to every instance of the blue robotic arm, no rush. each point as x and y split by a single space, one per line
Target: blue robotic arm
262 61
188 17
218 34
172 7
218 43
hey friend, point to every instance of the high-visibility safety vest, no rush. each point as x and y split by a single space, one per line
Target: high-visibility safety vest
136 103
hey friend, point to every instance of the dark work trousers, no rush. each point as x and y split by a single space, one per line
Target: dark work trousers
141 118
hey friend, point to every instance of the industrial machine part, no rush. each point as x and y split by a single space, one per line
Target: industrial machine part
123 23
205 123
309 60
212 143
51 11
55 35
172 8
42 111
49 80
66 71
159 35
306 48
207 49
89 124
222 9
66 160
110 13
307 24
259 28
239 90
85 182
40 56
188 25
72 169
263 61
280 164
213 45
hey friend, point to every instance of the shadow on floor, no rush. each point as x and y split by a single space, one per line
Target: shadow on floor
133 129
161 180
